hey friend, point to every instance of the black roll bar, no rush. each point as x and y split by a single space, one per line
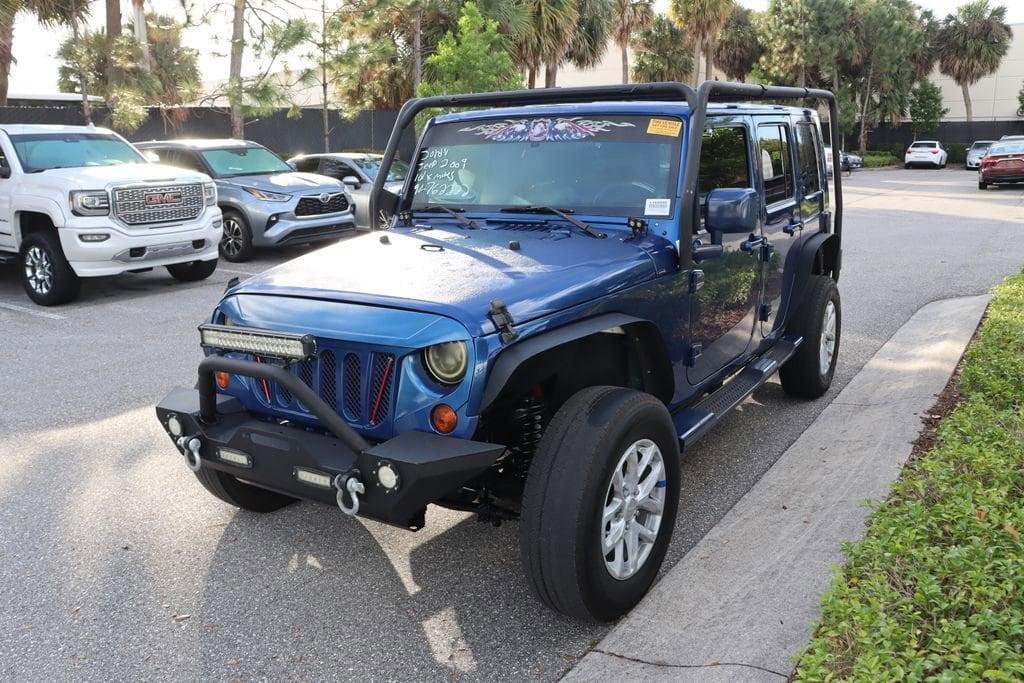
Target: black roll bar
273 373
708 91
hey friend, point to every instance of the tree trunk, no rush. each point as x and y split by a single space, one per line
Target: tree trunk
531 77
82 84
141 34
833 126
550 74
323 109
6 43
707 60
417 51
113 8
864 111
697 52
235 70
967 101
625 63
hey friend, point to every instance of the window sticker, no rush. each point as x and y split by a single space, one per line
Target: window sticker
544 129
668 127
658 207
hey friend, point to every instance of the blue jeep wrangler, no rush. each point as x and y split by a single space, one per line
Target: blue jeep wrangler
574 286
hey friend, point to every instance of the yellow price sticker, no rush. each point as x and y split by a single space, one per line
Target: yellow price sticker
669 127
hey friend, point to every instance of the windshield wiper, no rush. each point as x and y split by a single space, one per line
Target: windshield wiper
455 212
561 213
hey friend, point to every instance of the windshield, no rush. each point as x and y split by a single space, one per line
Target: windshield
370 165
980 145
234 161
42 151
604 165
1007 148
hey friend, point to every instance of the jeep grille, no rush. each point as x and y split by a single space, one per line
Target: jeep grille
154 204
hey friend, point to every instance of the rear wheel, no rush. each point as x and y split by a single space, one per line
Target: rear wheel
246 496
600 503
46 274
236 241
809 372
193 271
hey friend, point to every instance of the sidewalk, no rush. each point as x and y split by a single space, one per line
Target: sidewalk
746 598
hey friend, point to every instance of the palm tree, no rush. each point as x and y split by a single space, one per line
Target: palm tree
552 25
113 8
49 13
631 18
662 53
972 43
590 39
141 35
738 47
702 20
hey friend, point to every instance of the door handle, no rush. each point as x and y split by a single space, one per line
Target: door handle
753 243
793 227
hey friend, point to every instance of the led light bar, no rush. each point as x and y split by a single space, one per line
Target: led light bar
314 477
234 457
260 342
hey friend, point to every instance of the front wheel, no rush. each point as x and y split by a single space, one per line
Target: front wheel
982 185
236 241
600 503
809 372
192 271
46 274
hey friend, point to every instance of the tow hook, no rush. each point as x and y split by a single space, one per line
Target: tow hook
349 484
189 447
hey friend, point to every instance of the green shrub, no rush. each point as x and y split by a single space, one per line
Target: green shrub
935 591
876 159
957 153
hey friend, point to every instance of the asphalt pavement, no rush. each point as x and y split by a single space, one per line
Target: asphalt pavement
115 563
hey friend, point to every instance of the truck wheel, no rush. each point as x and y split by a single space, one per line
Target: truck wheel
46 274
236 242
809 372
193 271
246 496
600 503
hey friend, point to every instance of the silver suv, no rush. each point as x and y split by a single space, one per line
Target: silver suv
266 203
358 171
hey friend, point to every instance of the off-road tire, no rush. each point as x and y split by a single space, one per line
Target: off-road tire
192 271
802 375
42 249
236 241
246 496
561 527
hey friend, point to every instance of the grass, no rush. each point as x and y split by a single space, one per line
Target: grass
935 591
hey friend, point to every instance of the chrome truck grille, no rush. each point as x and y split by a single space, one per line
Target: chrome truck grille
153 204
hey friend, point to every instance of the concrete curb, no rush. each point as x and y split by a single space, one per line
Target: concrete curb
746 598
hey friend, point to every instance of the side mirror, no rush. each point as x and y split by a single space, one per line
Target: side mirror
732 210
351 181
151 156
5 172
386 205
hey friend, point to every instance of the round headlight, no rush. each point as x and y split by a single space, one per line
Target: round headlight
447 362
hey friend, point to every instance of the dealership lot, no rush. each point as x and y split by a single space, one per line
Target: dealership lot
114 562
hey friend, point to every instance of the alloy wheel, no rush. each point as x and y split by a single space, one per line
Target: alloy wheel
39 270
827 346
633 507
232 240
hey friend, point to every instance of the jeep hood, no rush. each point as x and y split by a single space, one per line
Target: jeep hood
457 273
287 182
100 177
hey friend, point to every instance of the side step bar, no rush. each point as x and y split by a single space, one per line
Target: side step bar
693 422
7 259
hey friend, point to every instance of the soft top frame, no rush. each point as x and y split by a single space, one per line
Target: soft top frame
698 100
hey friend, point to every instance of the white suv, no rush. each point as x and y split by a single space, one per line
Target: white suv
925 153
79 201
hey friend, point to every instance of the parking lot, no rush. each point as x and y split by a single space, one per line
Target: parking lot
115 563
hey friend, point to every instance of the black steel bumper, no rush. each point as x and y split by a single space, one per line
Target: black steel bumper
429 466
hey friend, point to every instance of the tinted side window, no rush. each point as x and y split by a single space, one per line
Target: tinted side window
723 159
773 145
187 159
807 151
308 165
337 169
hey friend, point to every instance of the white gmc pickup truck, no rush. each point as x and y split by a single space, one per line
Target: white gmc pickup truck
79 201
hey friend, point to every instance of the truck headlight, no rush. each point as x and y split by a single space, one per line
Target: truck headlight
447 362
90 202
209 194
267 196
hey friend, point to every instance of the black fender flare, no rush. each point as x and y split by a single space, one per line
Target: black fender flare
660 379
828 245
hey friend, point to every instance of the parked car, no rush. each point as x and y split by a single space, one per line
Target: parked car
558 308
80 201
358 171
1011 137
1003 164
976 152
265 202
848 162
926 153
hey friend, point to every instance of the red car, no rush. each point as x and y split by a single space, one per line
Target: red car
1004 163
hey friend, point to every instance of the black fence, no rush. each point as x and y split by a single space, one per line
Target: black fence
285 135
948 132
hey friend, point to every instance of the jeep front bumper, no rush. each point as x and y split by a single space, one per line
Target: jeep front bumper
398 477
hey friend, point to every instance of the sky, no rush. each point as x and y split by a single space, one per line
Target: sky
35 46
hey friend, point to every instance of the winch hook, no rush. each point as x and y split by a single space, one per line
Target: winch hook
349 484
